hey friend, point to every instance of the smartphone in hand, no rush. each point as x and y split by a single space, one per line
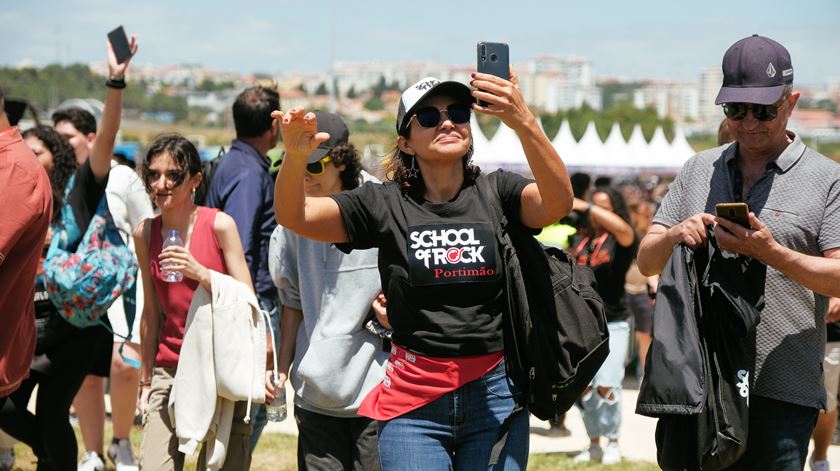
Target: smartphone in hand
493 59
119 42
735 212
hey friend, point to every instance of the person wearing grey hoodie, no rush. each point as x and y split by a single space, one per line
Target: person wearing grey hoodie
328 296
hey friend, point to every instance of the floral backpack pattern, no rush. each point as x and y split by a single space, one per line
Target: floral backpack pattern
83 284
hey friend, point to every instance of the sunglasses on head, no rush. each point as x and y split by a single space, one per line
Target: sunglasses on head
429 116
738 111
318 168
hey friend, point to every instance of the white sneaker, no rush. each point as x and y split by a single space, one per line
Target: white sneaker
7 459
819 465
612 453
122 456
594 453
91 461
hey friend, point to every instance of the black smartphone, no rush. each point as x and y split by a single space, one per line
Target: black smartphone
735 212
493 59
119 42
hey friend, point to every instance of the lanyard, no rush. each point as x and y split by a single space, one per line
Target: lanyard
599 243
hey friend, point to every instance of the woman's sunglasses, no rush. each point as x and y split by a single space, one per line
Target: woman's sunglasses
738 111
318 168
429 116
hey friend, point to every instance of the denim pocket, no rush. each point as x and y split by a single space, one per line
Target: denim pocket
498 384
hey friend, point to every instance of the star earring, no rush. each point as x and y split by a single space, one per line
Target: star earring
413 172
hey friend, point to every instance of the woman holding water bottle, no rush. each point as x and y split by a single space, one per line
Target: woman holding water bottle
176 251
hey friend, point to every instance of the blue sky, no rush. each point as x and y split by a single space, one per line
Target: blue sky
643 39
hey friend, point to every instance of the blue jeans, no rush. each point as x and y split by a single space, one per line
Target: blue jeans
779 434
272 306
602 414
458 430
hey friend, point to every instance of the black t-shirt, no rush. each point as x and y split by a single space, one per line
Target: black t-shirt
438 263
610 262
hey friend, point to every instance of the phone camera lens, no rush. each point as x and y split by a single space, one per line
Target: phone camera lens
494 58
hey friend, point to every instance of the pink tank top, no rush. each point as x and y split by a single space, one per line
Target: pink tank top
175 298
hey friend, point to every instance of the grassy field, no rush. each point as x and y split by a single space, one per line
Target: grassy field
277 452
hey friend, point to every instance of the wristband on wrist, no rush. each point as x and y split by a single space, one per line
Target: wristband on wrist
144 384
118 83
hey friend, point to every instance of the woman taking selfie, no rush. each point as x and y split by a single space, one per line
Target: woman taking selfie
172 173
438 265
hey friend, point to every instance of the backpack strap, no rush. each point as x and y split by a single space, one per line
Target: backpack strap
504 431
489 190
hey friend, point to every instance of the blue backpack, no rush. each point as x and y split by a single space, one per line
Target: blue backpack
84 283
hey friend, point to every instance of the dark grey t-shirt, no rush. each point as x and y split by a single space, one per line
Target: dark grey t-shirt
798 198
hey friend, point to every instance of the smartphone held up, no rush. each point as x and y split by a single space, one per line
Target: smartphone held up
119 43
493 59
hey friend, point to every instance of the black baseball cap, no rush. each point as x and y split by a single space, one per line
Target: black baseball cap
755 70
339 134
428 87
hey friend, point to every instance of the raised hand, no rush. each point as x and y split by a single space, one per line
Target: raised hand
300 132
116 70
504 99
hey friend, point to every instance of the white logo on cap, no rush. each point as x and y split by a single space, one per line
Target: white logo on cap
787 72
425 85
771 71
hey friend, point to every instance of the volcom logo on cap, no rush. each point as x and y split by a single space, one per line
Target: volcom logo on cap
425 85
771 71
787 72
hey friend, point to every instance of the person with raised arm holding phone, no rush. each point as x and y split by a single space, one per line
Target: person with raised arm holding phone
793 194
75 352
446 392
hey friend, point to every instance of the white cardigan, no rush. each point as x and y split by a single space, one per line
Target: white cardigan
222 360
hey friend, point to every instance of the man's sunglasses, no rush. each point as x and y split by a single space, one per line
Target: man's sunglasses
429 116
738 111
318 168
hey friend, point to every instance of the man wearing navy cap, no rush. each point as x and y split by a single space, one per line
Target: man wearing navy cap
793 194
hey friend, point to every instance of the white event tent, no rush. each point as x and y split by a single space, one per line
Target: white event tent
615 155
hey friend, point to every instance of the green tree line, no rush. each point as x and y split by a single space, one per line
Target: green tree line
47 87
623 113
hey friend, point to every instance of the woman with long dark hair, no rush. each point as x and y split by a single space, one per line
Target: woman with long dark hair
607 244
446 392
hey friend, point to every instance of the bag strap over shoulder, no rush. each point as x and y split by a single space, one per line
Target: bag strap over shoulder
488 188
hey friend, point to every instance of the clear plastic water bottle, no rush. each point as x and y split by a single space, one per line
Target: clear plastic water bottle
276 410
173 238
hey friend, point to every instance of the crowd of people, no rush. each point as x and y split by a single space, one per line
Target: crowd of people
382 295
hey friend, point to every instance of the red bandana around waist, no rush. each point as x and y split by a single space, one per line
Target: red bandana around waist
412 381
